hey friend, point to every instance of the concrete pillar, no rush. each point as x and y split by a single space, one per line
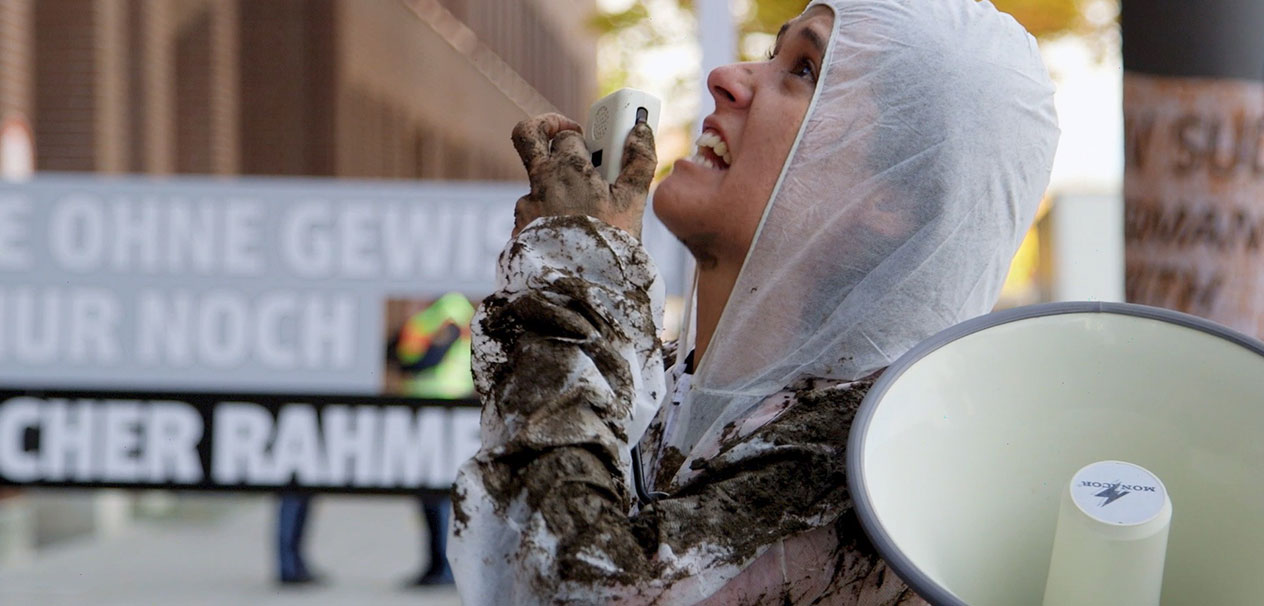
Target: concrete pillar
194 94
65 86
151 27
288 87
207 87
225 130
17 22
81 92
111 81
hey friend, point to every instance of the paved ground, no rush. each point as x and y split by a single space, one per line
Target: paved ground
218 553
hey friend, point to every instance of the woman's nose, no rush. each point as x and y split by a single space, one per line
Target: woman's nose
731 85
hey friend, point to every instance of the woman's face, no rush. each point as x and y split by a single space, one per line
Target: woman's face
713 201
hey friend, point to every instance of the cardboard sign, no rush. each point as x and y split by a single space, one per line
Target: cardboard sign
1194 186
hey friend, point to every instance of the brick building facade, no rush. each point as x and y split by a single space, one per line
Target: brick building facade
350 88
339 88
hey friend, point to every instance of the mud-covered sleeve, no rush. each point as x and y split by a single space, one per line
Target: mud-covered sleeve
568 365
565 354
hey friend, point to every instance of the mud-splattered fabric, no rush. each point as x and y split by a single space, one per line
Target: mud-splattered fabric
915 173
545 513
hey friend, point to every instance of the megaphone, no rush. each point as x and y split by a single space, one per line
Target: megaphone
962 454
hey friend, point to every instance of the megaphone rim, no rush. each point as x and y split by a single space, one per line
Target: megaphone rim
921 583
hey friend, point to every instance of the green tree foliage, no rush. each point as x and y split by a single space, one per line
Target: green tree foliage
640 27
1043 18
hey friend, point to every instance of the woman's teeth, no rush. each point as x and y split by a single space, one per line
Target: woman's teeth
710 140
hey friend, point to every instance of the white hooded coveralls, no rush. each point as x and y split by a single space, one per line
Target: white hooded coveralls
915 174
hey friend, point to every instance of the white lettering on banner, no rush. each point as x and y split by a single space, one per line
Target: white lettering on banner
385 447
258 285
242 256
164 324
296 452
360 239
307 249
135 234
351 441
157 442
122 441
329 333
120 438
94 318
77 233
190 236
149 235
401 232
76 325
172 433
34 327
17 416
66 439
14 254
242 431
269 346
408 454
358 236
223 329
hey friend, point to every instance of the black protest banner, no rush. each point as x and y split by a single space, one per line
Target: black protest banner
234 442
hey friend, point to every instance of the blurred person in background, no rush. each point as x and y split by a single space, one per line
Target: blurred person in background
291 525
433 348
432 351
860 190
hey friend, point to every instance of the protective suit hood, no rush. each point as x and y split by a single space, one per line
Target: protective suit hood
915 174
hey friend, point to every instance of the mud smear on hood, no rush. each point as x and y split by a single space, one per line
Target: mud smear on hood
459 514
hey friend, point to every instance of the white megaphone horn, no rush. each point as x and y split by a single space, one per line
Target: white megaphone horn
1069 453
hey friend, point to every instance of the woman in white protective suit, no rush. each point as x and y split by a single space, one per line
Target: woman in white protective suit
859 191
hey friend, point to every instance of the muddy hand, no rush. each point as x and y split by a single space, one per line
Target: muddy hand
564 182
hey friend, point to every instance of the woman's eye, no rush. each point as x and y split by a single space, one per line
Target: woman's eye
805 69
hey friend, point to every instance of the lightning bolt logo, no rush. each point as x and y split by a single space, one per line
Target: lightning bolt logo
1112 494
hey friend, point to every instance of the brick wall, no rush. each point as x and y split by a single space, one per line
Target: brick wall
287 87
225 144
16 70
433 91
111 104
193 93
65 85
291 87
151 74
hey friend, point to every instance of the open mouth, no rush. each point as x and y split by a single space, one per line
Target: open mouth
712 152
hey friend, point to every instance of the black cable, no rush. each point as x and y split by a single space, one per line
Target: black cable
638 482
